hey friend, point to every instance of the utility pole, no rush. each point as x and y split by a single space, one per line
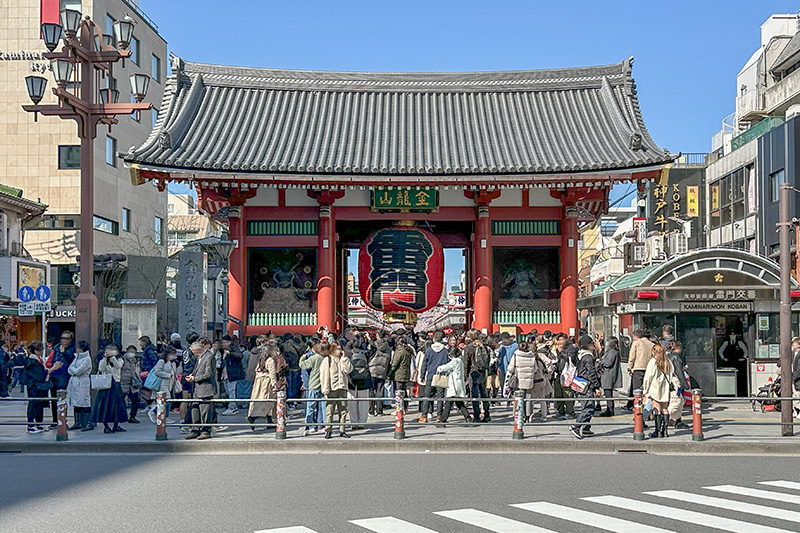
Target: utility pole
786 311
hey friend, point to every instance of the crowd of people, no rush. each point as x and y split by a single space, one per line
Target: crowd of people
563 379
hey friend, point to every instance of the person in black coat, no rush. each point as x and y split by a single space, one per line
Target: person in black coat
609 365
39 385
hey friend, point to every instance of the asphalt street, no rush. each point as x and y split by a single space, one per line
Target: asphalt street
324 493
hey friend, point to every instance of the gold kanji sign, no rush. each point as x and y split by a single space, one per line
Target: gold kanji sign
405 199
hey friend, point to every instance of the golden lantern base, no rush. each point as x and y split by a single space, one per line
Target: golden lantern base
400 317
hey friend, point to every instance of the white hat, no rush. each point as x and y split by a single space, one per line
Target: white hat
175 337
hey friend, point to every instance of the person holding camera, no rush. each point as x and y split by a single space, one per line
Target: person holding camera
38 384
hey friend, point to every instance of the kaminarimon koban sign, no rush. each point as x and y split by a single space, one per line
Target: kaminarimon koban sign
401 270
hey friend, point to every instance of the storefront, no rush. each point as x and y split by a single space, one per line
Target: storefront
723 304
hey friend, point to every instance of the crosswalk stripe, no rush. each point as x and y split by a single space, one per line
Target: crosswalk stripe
782 484
691 517
757 493
390 524
731 505
492 522
607 523
295 529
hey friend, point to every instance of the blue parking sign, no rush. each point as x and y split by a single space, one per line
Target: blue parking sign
25 293
42 293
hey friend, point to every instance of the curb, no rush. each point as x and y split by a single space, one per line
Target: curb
301 446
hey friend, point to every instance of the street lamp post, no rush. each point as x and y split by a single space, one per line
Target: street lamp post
224 248
784 224
85 46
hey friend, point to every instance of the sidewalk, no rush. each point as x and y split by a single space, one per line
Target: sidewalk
729 427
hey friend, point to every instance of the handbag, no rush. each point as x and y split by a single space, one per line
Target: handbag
440 380
178 388
579 384
100 381
152 382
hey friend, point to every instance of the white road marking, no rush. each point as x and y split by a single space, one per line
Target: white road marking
295 529
492 522
607 523
782 484
757 493
691 517
731 505
390 524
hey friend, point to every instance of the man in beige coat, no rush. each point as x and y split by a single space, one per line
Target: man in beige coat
639 355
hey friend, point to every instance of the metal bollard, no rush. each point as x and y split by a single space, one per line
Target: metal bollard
519 432
697 414
638 423
61 429
161 416
399 414
280 416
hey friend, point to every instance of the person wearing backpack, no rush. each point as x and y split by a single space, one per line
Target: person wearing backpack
379 371
476 360
586 385
435 356
359 386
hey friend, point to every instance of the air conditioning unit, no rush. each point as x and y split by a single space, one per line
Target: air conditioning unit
677 244
654 250
633 256
15 249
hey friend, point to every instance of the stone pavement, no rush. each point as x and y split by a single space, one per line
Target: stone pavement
729 427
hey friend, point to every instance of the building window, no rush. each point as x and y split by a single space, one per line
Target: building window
55 222
156 70
155 118
110 25
69 156
111 151
158 230
170 208
179 239
775 180
74 5
134 46
126 219
105 225
192 205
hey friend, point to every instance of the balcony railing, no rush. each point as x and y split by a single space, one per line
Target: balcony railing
691 158
527 317
282 319
756 131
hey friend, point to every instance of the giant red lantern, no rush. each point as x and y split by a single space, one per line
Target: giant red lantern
401 269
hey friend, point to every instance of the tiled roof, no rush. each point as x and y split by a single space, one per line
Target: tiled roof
253 120
788 55
13 196
603 286
634 279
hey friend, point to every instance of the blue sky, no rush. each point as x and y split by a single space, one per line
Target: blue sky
687 53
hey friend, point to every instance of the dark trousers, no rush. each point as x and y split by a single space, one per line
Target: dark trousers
448 404
201 414
563 407
479 391
586 413
609 393
4 384
637 380
36 410
432 393
133 396
376 392
293 383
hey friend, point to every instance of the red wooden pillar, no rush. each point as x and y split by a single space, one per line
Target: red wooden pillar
326 258
237 286
482 289
569 269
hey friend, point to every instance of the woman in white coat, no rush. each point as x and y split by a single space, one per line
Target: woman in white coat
526 368
456 385
659 382
79 388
